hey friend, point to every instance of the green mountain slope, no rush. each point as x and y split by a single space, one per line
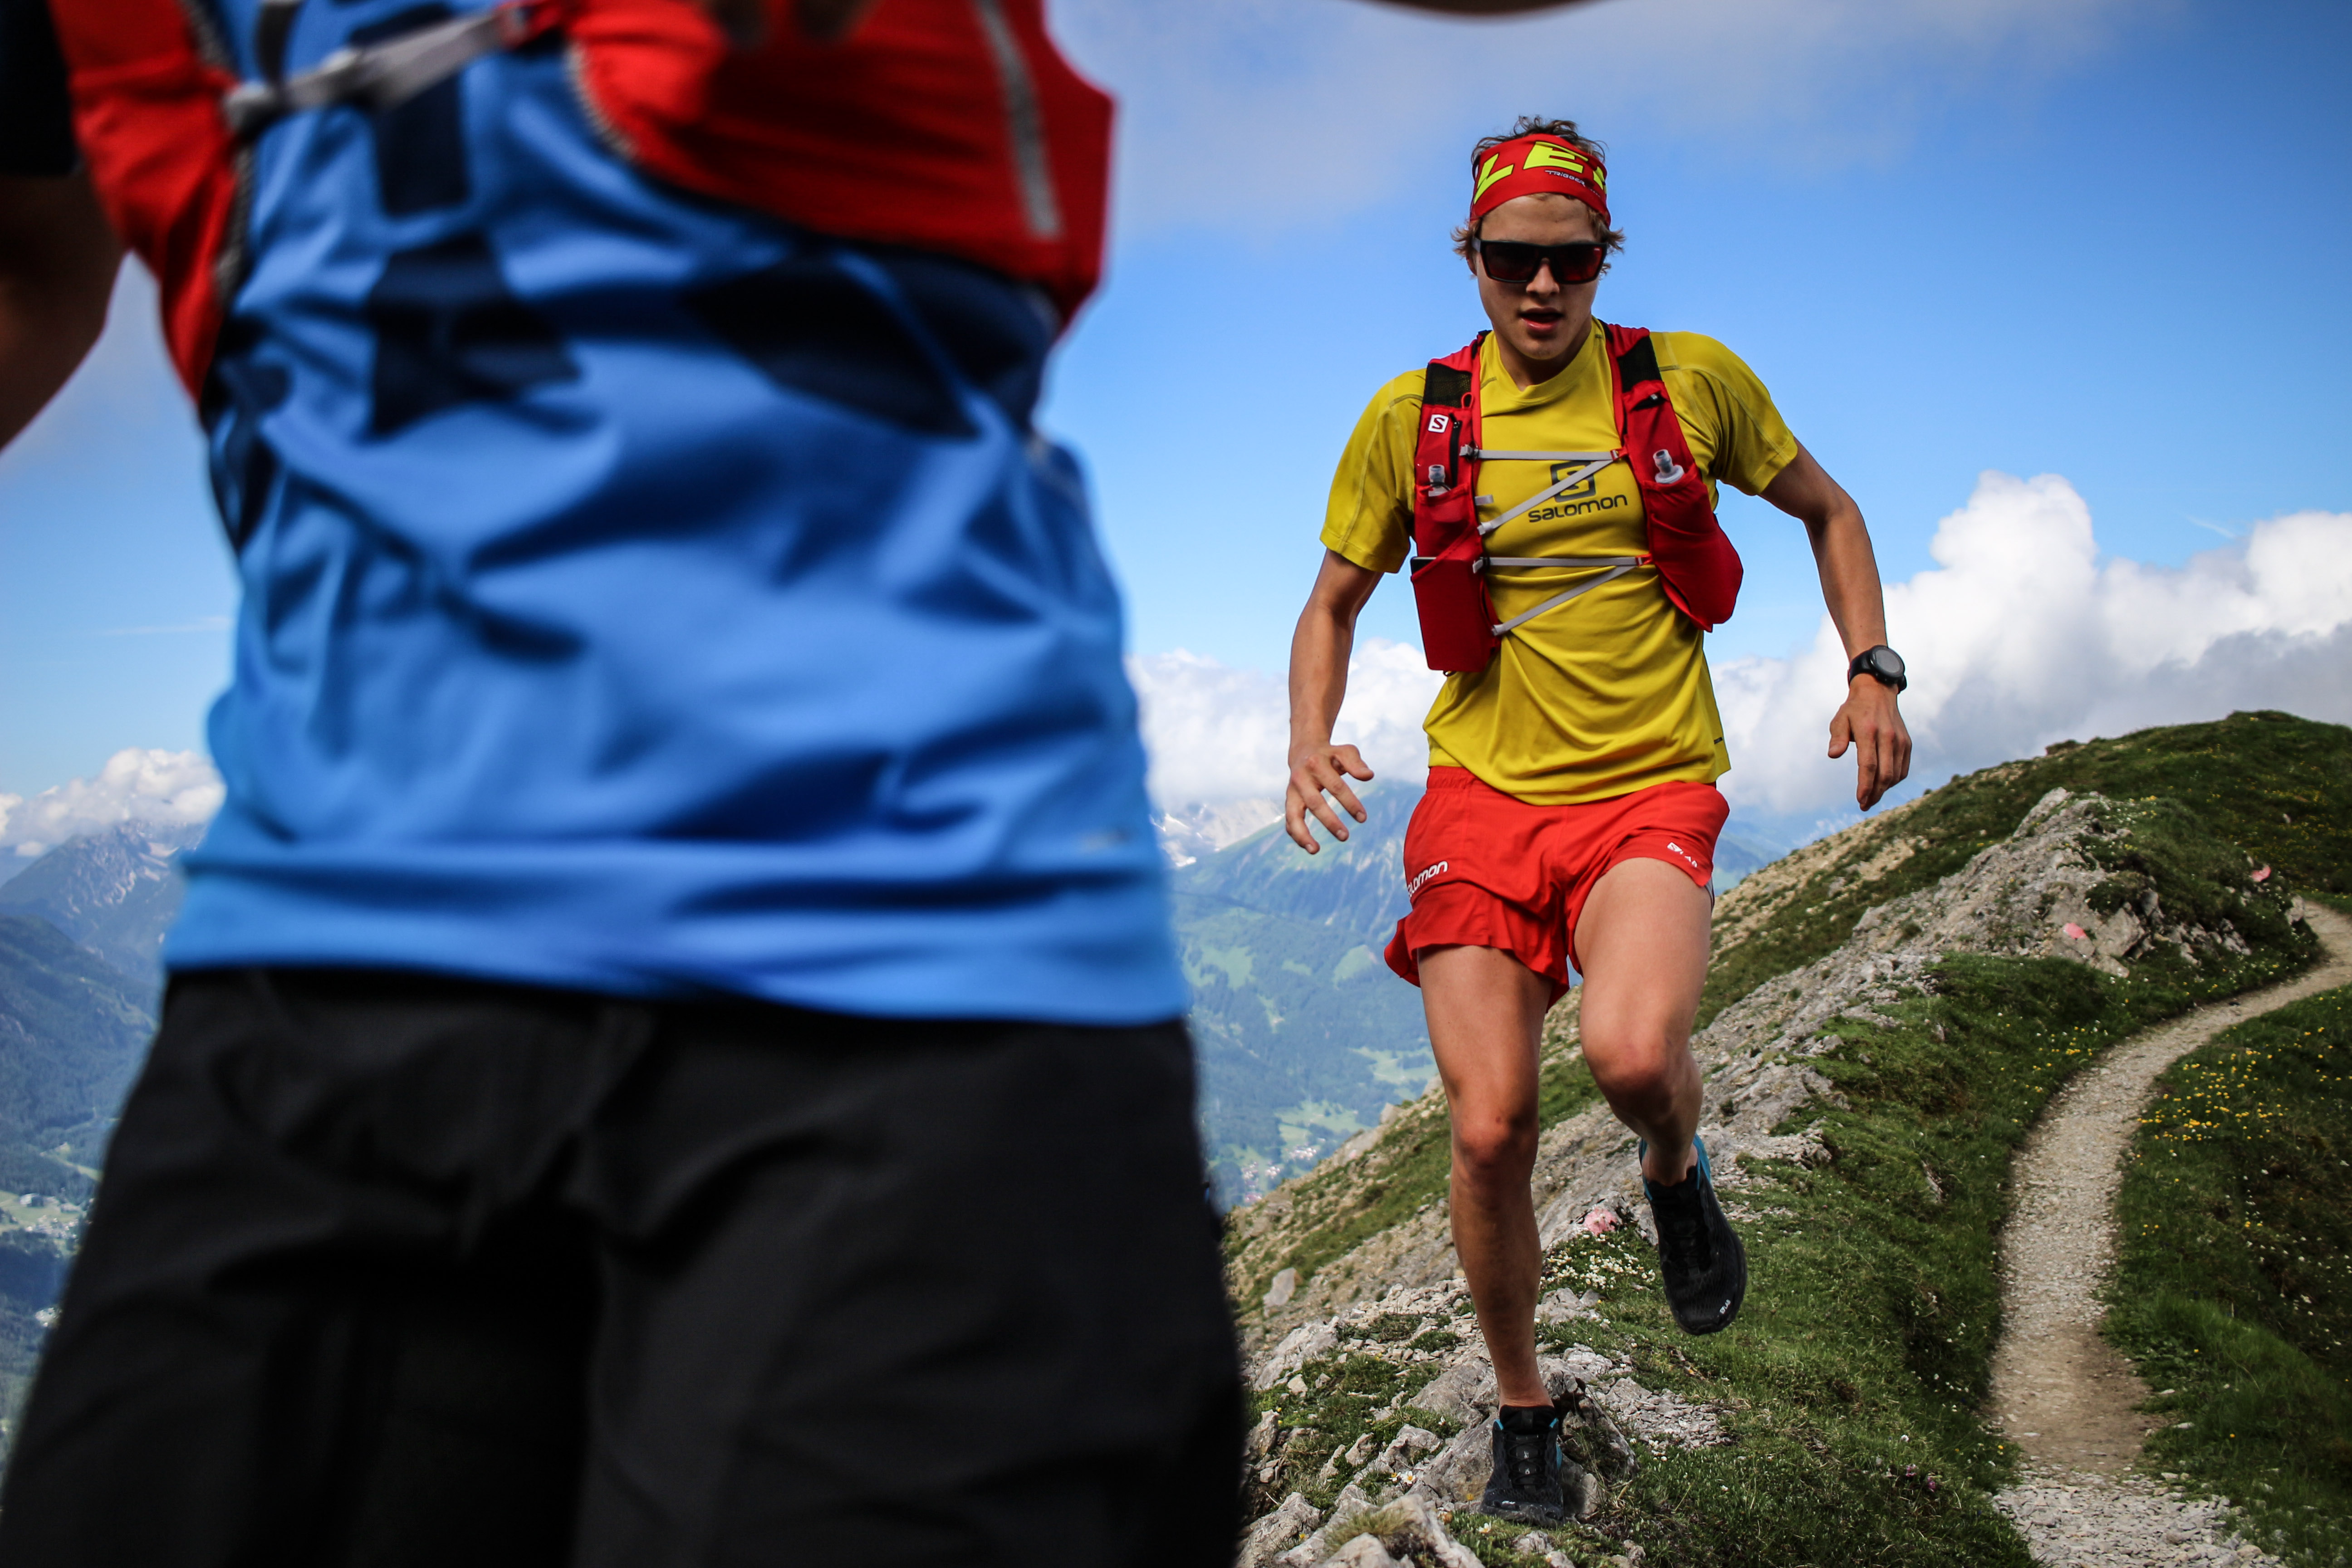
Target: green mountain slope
1303 1033
1885 1085
72 1033
1937 975
115 892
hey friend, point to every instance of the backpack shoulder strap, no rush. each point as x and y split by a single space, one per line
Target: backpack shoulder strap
1453 382
1635 361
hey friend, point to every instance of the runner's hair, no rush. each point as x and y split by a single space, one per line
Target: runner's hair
1535 125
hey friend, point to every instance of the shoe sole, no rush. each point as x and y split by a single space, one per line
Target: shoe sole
1523 1513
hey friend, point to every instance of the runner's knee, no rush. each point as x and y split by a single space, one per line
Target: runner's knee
1634 1061
1500 1148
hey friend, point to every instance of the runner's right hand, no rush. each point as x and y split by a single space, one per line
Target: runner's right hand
1313 770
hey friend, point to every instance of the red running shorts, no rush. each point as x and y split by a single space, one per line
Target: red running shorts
1486 870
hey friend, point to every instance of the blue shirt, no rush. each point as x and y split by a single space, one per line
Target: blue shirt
642 596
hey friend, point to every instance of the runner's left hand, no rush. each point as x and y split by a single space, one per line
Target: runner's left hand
1870 719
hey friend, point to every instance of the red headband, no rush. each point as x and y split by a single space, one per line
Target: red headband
1527 164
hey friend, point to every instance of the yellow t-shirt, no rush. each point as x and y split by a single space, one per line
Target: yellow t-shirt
1608 693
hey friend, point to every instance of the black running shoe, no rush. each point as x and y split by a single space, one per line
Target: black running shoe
1706 1267
1525 1486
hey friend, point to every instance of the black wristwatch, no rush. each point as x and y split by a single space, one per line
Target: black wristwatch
1881 663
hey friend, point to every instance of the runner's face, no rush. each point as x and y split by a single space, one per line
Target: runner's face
1539 321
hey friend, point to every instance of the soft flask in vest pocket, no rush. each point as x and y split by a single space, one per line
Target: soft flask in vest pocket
1457 617
1449 588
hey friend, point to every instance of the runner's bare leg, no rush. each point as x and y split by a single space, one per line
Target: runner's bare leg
1644 938
1485 1012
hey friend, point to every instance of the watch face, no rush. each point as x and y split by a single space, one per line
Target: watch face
1887 662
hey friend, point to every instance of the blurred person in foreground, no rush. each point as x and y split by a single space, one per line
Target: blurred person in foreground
673 1051
1553 487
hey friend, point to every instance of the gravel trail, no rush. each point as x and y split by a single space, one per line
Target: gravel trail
2059 1391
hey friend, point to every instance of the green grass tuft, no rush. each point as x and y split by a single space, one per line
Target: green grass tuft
2234 1284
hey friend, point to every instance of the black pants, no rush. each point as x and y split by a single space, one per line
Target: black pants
391 1271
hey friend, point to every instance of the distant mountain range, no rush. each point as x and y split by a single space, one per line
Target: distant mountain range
1303 1033
114 892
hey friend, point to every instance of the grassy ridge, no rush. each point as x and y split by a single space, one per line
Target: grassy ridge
1853 1375
2233 1285
1866 1342
1852 1379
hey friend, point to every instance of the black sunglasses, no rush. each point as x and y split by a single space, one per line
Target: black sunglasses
1511 261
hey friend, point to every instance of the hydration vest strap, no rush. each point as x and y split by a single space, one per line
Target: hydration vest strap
1563 560
1445 386
1484 455
1639 364
374 76
1563 597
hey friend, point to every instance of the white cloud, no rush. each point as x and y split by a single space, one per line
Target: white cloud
2021 636
1217 733
1247 112
168 788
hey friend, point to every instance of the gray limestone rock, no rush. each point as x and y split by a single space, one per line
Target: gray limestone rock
1349 1505
1284 1286
1410 1529
1410 1443
1364 1551
1298 1347
1276 1531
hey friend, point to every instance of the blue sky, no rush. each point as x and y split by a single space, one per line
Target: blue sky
2099 240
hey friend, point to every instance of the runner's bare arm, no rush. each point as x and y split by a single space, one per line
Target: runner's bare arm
1868 718
58 259
1318 682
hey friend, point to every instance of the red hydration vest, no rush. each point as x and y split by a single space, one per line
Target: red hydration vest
953 126
1695 563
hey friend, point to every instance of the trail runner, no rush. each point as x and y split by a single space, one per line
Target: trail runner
674 1050
1571 811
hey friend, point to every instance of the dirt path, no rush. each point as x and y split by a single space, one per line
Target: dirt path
2059 1391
